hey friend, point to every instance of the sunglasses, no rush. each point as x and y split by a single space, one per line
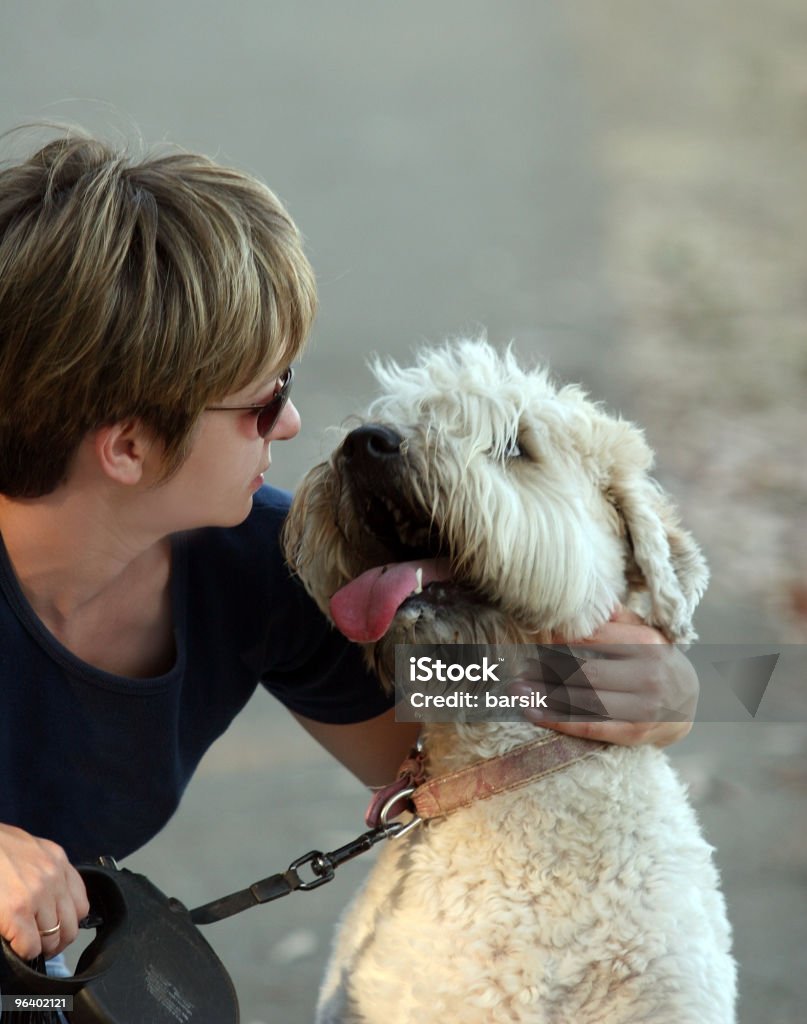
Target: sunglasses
269 413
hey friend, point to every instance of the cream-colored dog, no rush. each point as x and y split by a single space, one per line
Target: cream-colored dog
479 503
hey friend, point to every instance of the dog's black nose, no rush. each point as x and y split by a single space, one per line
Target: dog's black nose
371 444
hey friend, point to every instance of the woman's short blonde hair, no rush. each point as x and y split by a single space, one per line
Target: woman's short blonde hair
141 290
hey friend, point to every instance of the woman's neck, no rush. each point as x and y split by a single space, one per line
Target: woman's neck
103 597
68 550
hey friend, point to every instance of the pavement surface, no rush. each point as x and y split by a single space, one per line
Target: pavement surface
619 189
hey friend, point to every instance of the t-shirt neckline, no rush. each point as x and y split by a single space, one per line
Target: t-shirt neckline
49 644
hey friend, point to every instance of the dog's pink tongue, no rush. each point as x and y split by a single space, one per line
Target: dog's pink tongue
364 608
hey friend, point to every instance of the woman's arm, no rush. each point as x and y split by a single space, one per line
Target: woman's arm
372 750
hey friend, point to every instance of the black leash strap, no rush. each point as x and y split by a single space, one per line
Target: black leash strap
265 891
323 866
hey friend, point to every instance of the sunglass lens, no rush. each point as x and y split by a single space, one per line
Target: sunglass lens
270 413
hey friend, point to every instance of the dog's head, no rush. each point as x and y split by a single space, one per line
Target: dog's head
478 502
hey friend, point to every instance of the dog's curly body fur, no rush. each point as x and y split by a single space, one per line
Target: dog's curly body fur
589 896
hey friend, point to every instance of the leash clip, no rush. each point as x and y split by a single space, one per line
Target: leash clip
321 865
396 829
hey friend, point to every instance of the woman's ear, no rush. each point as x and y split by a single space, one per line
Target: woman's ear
122 449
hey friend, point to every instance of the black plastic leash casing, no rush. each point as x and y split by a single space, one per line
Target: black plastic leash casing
148 961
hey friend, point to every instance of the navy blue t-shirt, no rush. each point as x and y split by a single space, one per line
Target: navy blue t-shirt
98 762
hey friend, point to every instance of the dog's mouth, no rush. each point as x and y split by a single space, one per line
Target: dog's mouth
401 532
413 564
365 608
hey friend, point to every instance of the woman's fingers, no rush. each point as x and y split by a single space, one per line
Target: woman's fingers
39 889
72 905
49 927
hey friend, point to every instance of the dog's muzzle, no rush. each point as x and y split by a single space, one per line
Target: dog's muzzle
374 466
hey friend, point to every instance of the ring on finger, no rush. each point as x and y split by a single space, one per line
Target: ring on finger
51 931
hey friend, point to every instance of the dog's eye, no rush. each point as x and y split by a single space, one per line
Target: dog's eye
512 449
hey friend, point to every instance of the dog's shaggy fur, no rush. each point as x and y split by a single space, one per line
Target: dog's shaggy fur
589 896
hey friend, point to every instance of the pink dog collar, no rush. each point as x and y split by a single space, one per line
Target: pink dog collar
435 798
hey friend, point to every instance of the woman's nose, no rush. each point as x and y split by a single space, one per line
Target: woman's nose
288 426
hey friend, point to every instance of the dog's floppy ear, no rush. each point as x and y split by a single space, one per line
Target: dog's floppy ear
666 561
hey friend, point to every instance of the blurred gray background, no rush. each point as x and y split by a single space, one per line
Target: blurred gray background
618 188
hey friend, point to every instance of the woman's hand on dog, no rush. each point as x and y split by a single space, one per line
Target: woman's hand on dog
633 687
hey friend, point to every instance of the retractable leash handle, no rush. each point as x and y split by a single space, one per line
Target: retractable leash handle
147 963
18 977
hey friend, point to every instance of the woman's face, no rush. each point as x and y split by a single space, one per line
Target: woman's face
227 462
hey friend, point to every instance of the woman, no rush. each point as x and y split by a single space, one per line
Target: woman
149 315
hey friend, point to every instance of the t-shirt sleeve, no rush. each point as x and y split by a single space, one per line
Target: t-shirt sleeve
320 675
